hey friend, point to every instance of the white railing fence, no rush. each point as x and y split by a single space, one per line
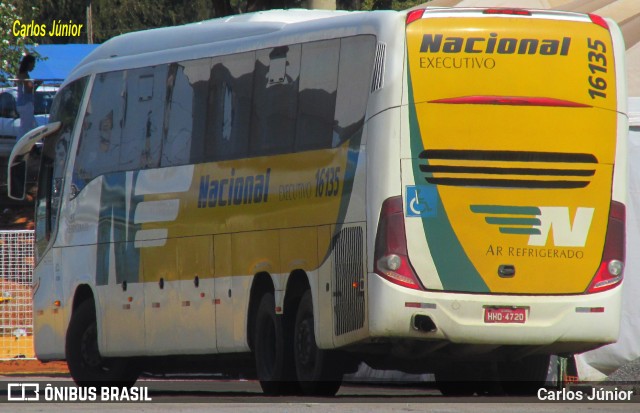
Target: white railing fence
16 274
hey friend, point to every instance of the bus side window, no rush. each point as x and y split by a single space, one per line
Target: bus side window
275 100
99 147
354 77
186 104
143 120
317 97
229 116
176 144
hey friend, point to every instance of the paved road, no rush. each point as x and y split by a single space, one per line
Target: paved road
245 396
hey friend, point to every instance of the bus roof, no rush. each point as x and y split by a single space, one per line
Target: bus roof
250 31
219 32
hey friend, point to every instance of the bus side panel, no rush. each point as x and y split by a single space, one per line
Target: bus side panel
324 295
224 324
197 288
48 321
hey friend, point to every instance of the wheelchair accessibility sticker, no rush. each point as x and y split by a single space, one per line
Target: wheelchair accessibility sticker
421 201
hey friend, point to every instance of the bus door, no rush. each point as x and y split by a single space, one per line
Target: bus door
51 276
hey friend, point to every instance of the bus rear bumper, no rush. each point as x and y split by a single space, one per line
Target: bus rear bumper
460 318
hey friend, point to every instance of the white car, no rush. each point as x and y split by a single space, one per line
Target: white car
10 119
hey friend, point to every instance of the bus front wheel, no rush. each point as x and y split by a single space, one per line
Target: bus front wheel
86 365
318 372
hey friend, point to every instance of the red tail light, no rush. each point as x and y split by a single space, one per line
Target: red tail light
510 12
391 259
599 21
414 15
611 269
510 100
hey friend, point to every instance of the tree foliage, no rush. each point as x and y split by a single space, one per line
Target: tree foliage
377 4
12 48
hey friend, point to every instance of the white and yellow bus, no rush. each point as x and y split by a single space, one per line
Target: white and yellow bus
292 193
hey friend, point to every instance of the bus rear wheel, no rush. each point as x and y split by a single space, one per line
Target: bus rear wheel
318 371
86 365
524 377
273 361
466 378
457 380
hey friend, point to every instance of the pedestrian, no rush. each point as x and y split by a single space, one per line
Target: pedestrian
26 94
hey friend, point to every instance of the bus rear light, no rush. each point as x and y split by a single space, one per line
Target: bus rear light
589 309
414 15
611 268
391 259
599 21
510 100
510 12
411 304
391 262
399 272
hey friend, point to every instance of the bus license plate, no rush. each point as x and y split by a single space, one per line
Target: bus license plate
505 315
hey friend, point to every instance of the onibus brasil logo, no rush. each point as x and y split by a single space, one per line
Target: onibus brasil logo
536 222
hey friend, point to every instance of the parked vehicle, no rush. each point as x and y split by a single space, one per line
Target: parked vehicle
10 119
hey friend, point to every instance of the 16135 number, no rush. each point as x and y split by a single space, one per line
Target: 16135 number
327 181
597 68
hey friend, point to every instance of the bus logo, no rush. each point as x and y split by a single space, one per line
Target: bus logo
537 222
25 392
421 201
494 44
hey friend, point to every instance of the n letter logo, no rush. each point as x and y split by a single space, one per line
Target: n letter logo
565 234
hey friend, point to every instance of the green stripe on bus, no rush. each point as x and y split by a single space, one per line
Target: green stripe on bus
455 269
505 210
525 231
512 221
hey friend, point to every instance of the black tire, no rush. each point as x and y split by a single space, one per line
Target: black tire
318 371
524 377
272 351
455 381
469 378
86 365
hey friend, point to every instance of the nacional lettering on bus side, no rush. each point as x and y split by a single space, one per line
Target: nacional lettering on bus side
233 190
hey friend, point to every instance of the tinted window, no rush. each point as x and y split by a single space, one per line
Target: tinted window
143 123
99 146
42 103
317 97
275 103
187 97
278 100
354 76
230 106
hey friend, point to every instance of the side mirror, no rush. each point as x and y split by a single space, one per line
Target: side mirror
18 180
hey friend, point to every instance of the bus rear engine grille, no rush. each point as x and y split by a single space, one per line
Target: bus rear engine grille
348 281
378 67
508 169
